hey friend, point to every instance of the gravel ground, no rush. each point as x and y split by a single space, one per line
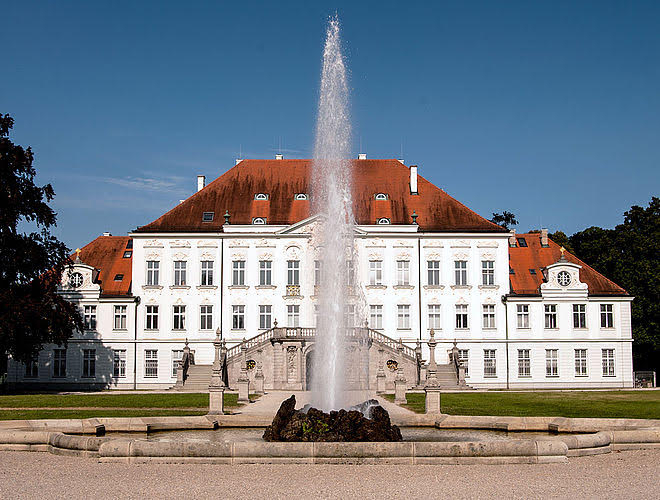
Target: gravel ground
632 474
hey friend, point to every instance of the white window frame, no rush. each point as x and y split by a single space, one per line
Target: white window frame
59 363
464 358
579 316
524 364
403 317
119 363
238 317
178 317
522 316
607 357
488 272
265 316
238 273
552 363
462 319
550 316
581 363
88 363
180 273
376 317
488 316
292 272
375 272
434 316
607 316
206 278
490 363
151 317
151 363
349 315
433 272
153 273
177 356
460 273
403 272
89 317
120 317
293 315
206 317
265 272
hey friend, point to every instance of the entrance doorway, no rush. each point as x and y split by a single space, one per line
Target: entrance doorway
309 366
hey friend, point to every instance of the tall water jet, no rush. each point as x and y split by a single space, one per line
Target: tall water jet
331 182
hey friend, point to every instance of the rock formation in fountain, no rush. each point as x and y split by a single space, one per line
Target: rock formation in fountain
331 184
310 424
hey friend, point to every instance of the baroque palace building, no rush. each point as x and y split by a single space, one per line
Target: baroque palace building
239 259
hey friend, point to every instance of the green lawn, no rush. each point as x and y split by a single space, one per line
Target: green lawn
39 406
604 404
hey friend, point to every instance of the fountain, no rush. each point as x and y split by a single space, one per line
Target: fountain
331 184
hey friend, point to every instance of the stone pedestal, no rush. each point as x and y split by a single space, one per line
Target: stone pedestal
259 382
381 379
243 381
400 391
432 400
216 400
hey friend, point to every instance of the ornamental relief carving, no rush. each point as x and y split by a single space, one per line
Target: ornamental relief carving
487 256
151 302
207 244
403 256
375 256
489 301
376 242
152 244
180 244
238 244
433 244
434 300
265 256
152 291
461 301
238 256
180 256
179 302
461 244
293 251
264 243
460 256
433 256
207 256
153 256
486 244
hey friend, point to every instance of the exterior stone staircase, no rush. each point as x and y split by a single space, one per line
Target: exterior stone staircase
198 380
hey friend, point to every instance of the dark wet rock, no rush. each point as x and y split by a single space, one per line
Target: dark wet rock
311 424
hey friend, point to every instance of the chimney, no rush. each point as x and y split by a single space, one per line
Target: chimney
512 238
544 237
400 160
106 233
413 179
238 160
279 156
201 182
362 156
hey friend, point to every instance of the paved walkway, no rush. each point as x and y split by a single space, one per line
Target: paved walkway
632 474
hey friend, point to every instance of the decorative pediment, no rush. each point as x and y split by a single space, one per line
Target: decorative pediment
78 279
238 256
180 244
433 256
153 256
265 256
460 256
403 256
461 244
153 244
490 301
207 244
487 256
375 242
264 243
207 256
562 279
487 244
293 252
180 256
461 301
238 244
375 256
179 302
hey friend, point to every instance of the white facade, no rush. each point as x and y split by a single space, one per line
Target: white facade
456 283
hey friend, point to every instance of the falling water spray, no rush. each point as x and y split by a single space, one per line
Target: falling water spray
331 181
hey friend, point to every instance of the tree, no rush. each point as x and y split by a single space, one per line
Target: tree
628 255
32 313
504 219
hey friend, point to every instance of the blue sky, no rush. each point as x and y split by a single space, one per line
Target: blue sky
550 110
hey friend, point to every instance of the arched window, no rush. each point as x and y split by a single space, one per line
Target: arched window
301 196
259 220
380 196
261 196
383 220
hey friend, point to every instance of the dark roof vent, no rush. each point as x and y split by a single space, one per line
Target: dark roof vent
532 272
119 277
208 216
128 254
522 242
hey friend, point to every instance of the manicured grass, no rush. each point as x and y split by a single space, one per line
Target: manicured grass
603 404
43 414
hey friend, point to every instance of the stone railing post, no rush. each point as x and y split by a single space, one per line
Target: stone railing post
259 375
243 381
400 380
432 389
380 375
217 386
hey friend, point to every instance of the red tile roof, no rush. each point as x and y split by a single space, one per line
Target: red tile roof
537 257
282 179
106 254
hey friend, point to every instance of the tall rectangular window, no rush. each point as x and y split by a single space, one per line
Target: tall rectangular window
403 317
524 367
433 272
550 316
608 362
580 362
293 272
522 320
90 317
151 318
180 269
375 272
238 317
317 273
461 316
265 317
89 363
460 272
206 317
376 317
293 315
32 368
151 363
153 271
579 316
464 358
265 272
207 273
177 356
120 318
606 316
238 273
434 316
488 272
489 316
403 272
349 315
119 363
490 366
59 363
179 317
551 363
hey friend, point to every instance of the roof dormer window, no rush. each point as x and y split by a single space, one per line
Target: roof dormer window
119 277
300 196
208 216
259 220
380 196
261 196
383 220
522 242
128 254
